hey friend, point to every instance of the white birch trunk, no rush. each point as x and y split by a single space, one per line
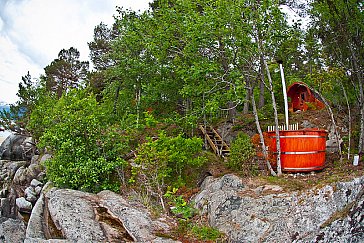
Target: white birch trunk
264 148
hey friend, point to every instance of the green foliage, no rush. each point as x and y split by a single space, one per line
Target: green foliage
181 62
197 232
163 161
86 151
242 152
19 113
266 111
179 206
206 233
41 116
65 72
150 120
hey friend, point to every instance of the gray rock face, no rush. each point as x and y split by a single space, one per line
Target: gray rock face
25 174
5 207
86 217
17 147
137 222
35 183
73 214
332 142
23 205
15 192
327 214
11 230
35 228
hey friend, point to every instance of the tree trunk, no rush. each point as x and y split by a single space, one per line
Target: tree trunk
349 118
276 122
270 88
247 101
261 87
359 75
332 119
264 148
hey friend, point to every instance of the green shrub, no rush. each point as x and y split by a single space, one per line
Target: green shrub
206 233
86 151
179 206
266 111
162 162
242 153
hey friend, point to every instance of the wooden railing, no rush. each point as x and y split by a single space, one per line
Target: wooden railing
292 127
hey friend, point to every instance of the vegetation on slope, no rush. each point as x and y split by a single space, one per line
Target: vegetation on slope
131 122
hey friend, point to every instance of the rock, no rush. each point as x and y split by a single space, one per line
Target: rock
38 190
25 175
29 191
5 207
4 192
228 185
41 176
137 222
72 213
12 202
307 124
17 147
23 205
36 240
12 230
248 215
13 167
332 143
44 158
35 159
34 183
35 228
31 198
86 217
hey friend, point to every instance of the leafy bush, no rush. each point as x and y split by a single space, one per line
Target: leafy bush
179 206
41 116
206 233
163 161
86 150
242 152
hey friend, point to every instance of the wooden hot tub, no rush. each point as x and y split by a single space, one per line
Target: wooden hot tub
301 150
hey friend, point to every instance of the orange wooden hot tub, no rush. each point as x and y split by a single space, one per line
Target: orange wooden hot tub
301 150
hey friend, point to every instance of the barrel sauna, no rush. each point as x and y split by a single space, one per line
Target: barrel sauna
301 150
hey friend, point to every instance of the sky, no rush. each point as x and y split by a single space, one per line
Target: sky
32 32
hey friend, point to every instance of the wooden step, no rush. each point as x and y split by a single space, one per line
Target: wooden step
218 145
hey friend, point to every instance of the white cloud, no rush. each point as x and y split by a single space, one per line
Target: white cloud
32 32
13 65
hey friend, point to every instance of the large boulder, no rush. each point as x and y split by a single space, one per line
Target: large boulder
17 147
332 213
19 186
76 216
136 220
11 230
73 214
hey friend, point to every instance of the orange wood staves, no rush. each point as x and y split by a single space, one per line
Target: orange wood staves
301 150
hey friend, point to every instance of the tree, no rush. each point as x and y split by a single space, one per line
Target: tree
28 95
340 27
86 147
66 72
100 47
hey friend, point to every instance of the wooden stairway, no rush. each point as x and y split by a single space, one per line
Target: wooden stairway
218 145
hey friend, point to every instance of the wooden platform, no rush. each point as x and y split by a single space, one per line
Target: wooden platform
218 145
